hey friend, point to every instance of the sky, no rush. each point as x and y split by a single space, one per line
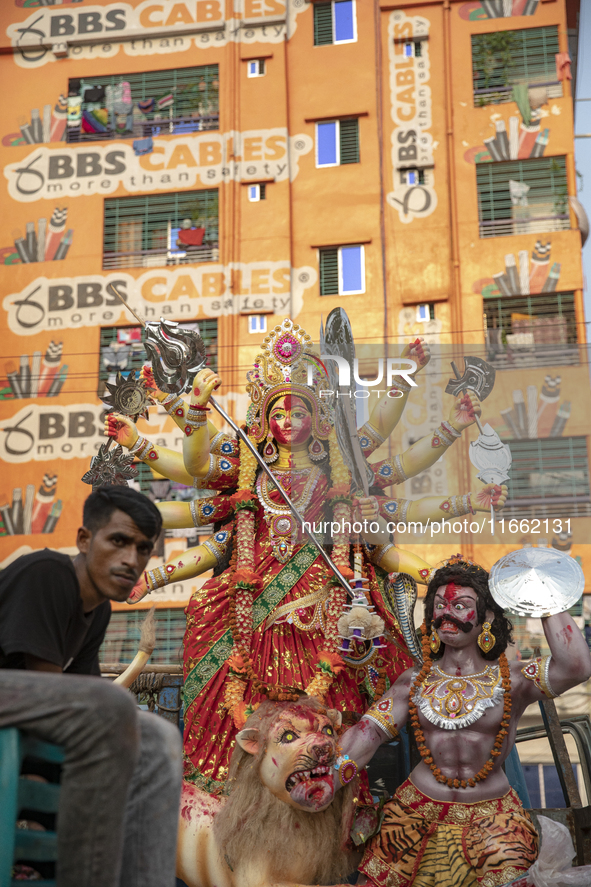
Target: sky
583 146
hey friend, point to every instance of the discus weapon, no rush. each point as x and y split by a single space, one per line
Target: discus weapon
536 582
487 453
177 355
130 396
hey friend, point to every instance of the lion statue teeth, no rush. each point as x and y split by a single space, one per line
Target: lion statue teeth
282 823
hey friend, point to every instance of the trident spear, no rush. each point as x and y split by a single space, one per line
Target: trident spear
177 355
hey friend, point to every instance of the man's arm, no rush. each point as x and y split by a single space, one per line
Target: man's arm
40 603
361 742
569 665
33 663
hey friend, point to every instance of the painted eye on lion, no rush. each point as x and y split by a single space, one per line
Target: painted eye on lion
288 736
329 731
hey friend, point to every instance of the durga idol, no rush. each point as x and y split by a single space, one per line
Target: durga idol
265 625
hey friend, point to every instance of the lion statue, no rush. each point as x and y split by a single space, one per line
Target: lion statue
282 823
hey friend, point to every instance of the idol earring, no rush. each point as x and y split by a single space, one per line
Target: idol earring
434 641
486 639
270 451
316 451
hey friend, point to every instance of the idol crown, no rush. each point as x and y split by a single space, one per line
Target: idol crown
282 369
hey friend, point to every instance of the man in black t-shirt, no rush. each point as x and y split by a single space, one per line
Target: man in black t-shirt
121 777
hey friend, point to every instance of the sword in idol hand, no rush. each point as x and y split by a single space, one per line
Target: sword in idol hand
177 355
487 453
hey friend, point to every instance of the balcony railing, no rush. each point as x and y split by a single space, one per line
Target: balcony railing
521 355
524 223
157 258
145 128
492 95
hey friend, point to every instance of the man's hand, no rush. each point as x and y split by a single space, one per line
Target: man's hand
206 382
464 411
121 429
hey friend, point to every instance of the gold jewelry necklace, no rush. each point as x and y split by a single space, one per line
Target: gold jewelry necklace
455 701
425 752
278 517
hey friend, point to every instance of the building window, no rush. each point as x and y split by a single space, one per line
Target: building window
342 270
549 474
337 142
412 176
123 636
257 323
257 192
425 312
143 104
522 197
413 49
255 68
161 229
122 349
506 60
334 22
536 330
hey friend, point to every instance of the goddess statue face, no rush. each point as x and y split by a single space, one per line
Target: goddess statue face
455 615
290 420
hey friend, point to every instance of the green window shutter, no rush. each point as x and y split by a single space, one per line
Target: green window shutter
184 100
349 140
322 24
329 271
138 231
550 471
123 636
540 206
504 59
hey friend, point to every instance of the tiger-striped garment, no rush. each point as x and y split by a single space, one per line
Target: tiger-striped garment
428 843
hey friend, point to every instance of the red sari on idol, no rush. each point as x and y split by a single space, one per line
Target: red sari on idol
286 637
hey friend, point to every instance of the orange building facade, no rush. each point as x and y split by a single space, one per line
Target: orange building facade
232 163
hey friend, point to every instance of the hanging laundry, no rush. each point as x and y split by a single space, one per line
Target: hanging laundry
94 94
146 105
143 146
74 110
563 64
165 102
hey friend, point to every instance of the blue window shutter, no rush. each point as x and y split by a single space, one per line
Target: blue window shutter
326 143
344 25
351 269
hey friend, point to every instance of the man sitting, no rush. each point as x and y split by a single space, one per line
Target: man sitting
121 776
456 822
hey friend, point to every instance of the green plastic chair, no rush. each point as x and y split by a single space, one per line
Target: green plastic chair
18 793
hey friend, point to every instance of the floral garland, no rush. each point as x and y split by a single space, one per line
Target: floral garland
368 570
420 736
245 583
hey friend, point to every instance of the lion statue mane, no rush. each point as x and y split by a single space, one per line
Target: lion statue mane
261 834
